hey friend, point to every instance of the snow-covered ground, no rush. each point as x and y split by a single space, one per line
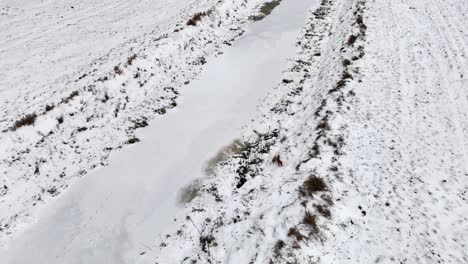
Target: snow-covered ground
108 216
43 42
89 110
407 161
358 154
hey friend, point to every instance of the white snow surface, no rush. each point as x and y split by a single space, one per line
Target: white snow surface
91 90
358 154
109 215
43 41
376 106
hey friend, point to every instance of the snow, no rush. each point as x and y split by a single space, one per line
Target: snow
87 114
107 216
379 117
357 153
43 41
409 151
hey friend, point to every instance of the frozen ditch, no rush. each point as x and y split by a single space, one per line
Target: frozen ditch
110 215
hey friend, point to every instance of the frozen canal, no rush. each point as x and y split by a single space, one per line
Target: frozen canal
113 213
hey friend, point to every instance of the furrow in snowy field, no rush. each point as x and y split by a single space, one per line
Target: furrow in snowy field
61 131
360 154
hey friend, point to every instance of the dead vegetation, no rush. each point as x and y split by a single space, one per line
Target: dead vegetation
206 242
235 148
197 17
279 245
26 120
360 23
133 140
312 185
105 97
323 124
346 63
277 160
310 221
131 59
323 10
346 75
60 119
294 232
118 70
265 10
323 210
351 40
103 79
189 192
49 108
70 97
251 156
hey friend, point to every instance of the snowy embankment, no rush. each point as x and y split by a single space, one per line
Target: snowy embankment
61 127
359 156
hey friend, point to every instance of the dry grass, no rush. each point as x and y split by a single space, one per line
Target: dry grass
70 97
206 241
278 246
323 124
131 59
312 185
310 220
105 98
295 233
26 120
340 84
346 75
197 17
346 63
323 210
265 10
351 40
117 70
133 140
315 150
277 160
49 107
362 26
60 119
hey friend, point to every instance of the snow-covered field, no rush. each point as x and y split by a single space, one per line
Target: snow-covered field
108 216
357 155
93 107
45 42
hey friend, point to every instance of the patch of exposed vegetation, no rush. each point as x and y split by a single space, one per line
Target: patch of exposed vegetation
197 17
189 192
265 10
70 97
26 120
312 185
235 148
133 140
206 242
